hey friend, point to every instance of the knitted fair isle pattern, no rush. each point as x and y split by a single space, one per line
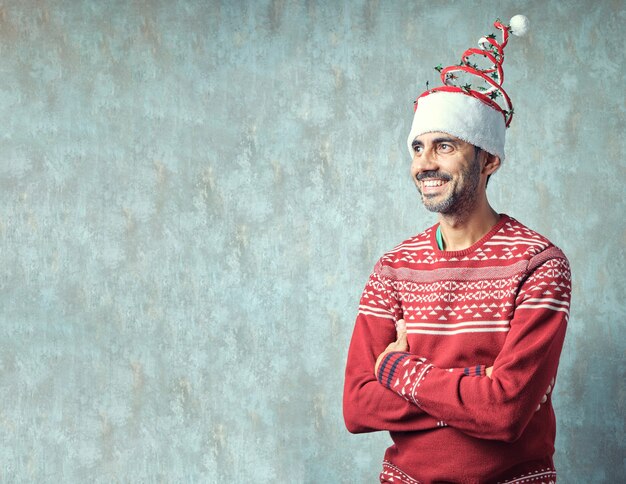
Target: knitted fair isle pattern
502 303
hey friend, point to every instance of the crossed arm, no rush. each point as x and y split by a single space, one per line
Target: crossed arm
401 345
495 404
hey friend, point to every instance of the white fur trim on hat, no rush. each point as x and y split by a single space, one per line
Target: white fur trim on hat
462 116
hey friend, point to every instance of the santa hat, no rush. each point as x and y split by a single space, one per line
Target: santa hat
471 104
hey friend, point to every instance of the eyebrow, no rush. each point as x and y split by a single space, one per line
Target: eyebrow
435 141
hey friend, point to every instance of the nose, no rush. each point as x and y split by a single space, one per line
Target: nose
423 161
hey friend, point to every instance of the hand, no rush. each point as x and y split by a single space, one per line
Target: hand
545 397
400 344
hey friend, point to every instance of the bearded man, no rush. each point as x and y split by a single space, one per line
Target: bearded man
459 332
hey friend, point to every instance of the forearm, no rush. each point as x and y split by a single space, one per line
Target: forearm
497 408
369 407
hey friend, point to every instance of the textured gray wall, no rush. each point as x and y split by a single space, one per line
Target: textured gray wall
192 194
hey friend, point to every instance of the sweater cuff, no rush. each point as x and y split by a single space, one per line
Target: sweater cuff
389 366
478 370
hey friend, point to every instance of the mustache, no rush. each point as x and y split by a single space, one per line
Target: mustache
425 175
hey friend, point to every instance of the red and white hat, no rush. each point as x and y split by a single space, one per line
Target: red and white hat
471 104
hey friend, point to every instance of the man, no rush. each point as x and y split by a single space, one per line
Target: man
457 341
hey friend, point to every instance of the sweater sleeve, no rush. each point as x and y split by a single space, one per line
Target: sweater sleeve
367 405
500 407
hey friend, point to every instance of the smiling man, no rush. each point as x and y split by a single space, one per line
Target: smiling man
457 341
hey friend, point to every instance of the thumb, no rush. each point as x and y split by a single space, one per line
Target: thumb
401 334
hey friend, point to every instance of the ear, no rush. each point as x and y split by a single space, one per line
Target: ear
492 163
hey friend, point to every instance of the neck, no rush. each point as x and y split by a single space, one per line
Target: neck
462 231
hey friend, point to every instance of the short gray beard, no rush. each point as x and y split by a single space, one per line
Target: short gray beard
461 203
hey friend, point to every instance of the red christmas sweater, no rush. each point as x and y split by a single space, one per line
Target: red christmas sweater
503 302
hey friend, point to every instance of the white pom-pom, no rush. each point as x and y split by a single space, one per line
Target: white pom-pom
519 25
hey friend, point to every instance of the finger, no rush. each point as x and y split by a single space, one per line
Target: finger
400 327
401 330
401 343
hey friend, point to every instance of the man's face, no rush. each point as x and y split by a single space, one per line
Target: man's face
447 173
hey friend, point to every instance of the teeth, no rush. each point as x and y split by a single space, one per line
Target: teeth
433 183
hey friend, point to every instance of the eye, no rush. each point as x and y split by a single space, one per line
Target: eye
417 148
445 147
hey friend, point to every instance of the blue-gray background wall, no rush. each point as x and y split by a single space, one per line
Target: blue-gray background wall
193 193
